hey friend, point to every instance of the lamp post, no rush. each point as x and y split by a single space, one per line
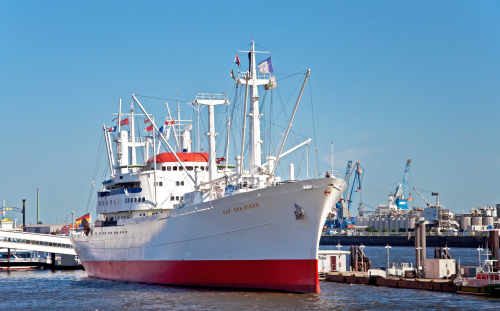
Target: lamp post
479 249
387 247
362 255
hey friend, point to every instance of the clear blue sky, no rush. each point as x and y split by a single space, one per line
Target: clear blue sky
391 80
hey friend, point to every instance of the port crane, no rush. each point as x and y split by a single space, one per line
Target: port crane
436 194
401 194
344 204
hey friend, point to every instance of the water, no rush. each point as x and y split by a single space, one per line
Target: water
65 290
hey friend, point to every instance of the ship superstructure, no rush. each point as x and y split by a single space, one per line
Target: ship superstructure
181 218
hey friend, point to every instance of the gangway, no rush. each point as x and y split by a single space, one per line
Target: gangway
36 242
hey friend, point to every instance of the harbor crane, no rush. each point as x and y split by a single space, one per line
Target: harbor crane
401 194
435 194
348 170
426 202
344 204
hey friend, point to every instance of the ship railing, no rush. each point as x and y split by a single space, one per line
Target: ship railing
209 96
263 76
332 173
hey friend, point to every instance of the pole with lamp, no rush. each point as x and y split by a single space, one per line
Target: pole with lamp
387 247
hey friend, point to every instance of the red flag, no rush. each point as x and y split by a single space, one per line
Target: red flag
170 122
146 121
124 122
149 128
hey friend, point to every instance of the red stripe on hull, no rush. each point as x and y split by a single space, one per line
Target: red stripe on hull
299 276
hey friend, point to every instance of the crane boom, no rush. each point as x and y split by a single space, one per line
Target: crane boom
426 202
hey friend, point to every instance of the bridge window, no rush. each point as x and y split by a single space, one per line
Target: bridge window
177 183
106 202
169 168
121 177
181 168
202 168
182 183
172 198
189 168
161 183
174 168
135 199
177 198
182 198
143 199
163 168
206 168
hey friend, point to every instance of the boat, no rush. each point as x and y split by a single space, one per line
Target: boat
486 282
183 218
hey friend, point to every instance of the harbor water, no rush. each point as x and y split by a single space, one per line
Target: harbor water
65 290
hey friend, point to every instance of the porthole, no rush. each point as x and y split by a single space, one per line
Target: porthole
163 168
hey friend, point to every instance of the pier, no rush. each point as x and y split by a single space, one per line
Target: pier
471 241
438 285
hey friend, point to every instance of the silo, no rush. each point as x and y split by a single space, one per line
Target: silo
465 222
488 221
411 223
377 223
494 212
385 223
397 224
371 222
477 221
487 212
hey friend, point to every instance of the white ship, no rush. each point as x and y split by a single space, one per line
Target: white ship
182 219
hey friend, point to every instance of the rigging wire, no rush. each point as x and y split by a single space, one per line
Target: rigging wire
314 125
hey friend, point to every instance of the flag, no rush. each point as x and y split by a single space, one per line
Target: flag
124 122
169 122
79 220
266 66
112 129
237 61
114 119
232 75
189 127
165 131
146 121
149 128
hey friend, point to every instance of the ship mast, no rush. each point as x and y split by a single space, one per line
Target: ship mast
254 80
255 143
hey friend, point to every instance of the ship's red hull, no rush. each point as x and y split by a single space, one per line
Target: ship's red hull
299 276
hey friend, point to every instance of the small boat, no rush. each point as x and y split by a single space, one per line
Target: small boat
486 283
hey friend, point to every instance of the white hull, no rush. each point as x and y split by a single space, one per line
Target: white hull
257 225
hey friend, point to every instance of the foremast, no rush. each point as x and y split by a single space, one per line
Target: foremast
254 80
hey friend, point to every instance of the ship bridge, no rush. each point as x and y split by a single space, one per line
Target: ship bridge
36 242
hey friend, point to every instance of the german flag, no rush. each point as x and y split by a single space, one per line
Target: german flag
79 220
